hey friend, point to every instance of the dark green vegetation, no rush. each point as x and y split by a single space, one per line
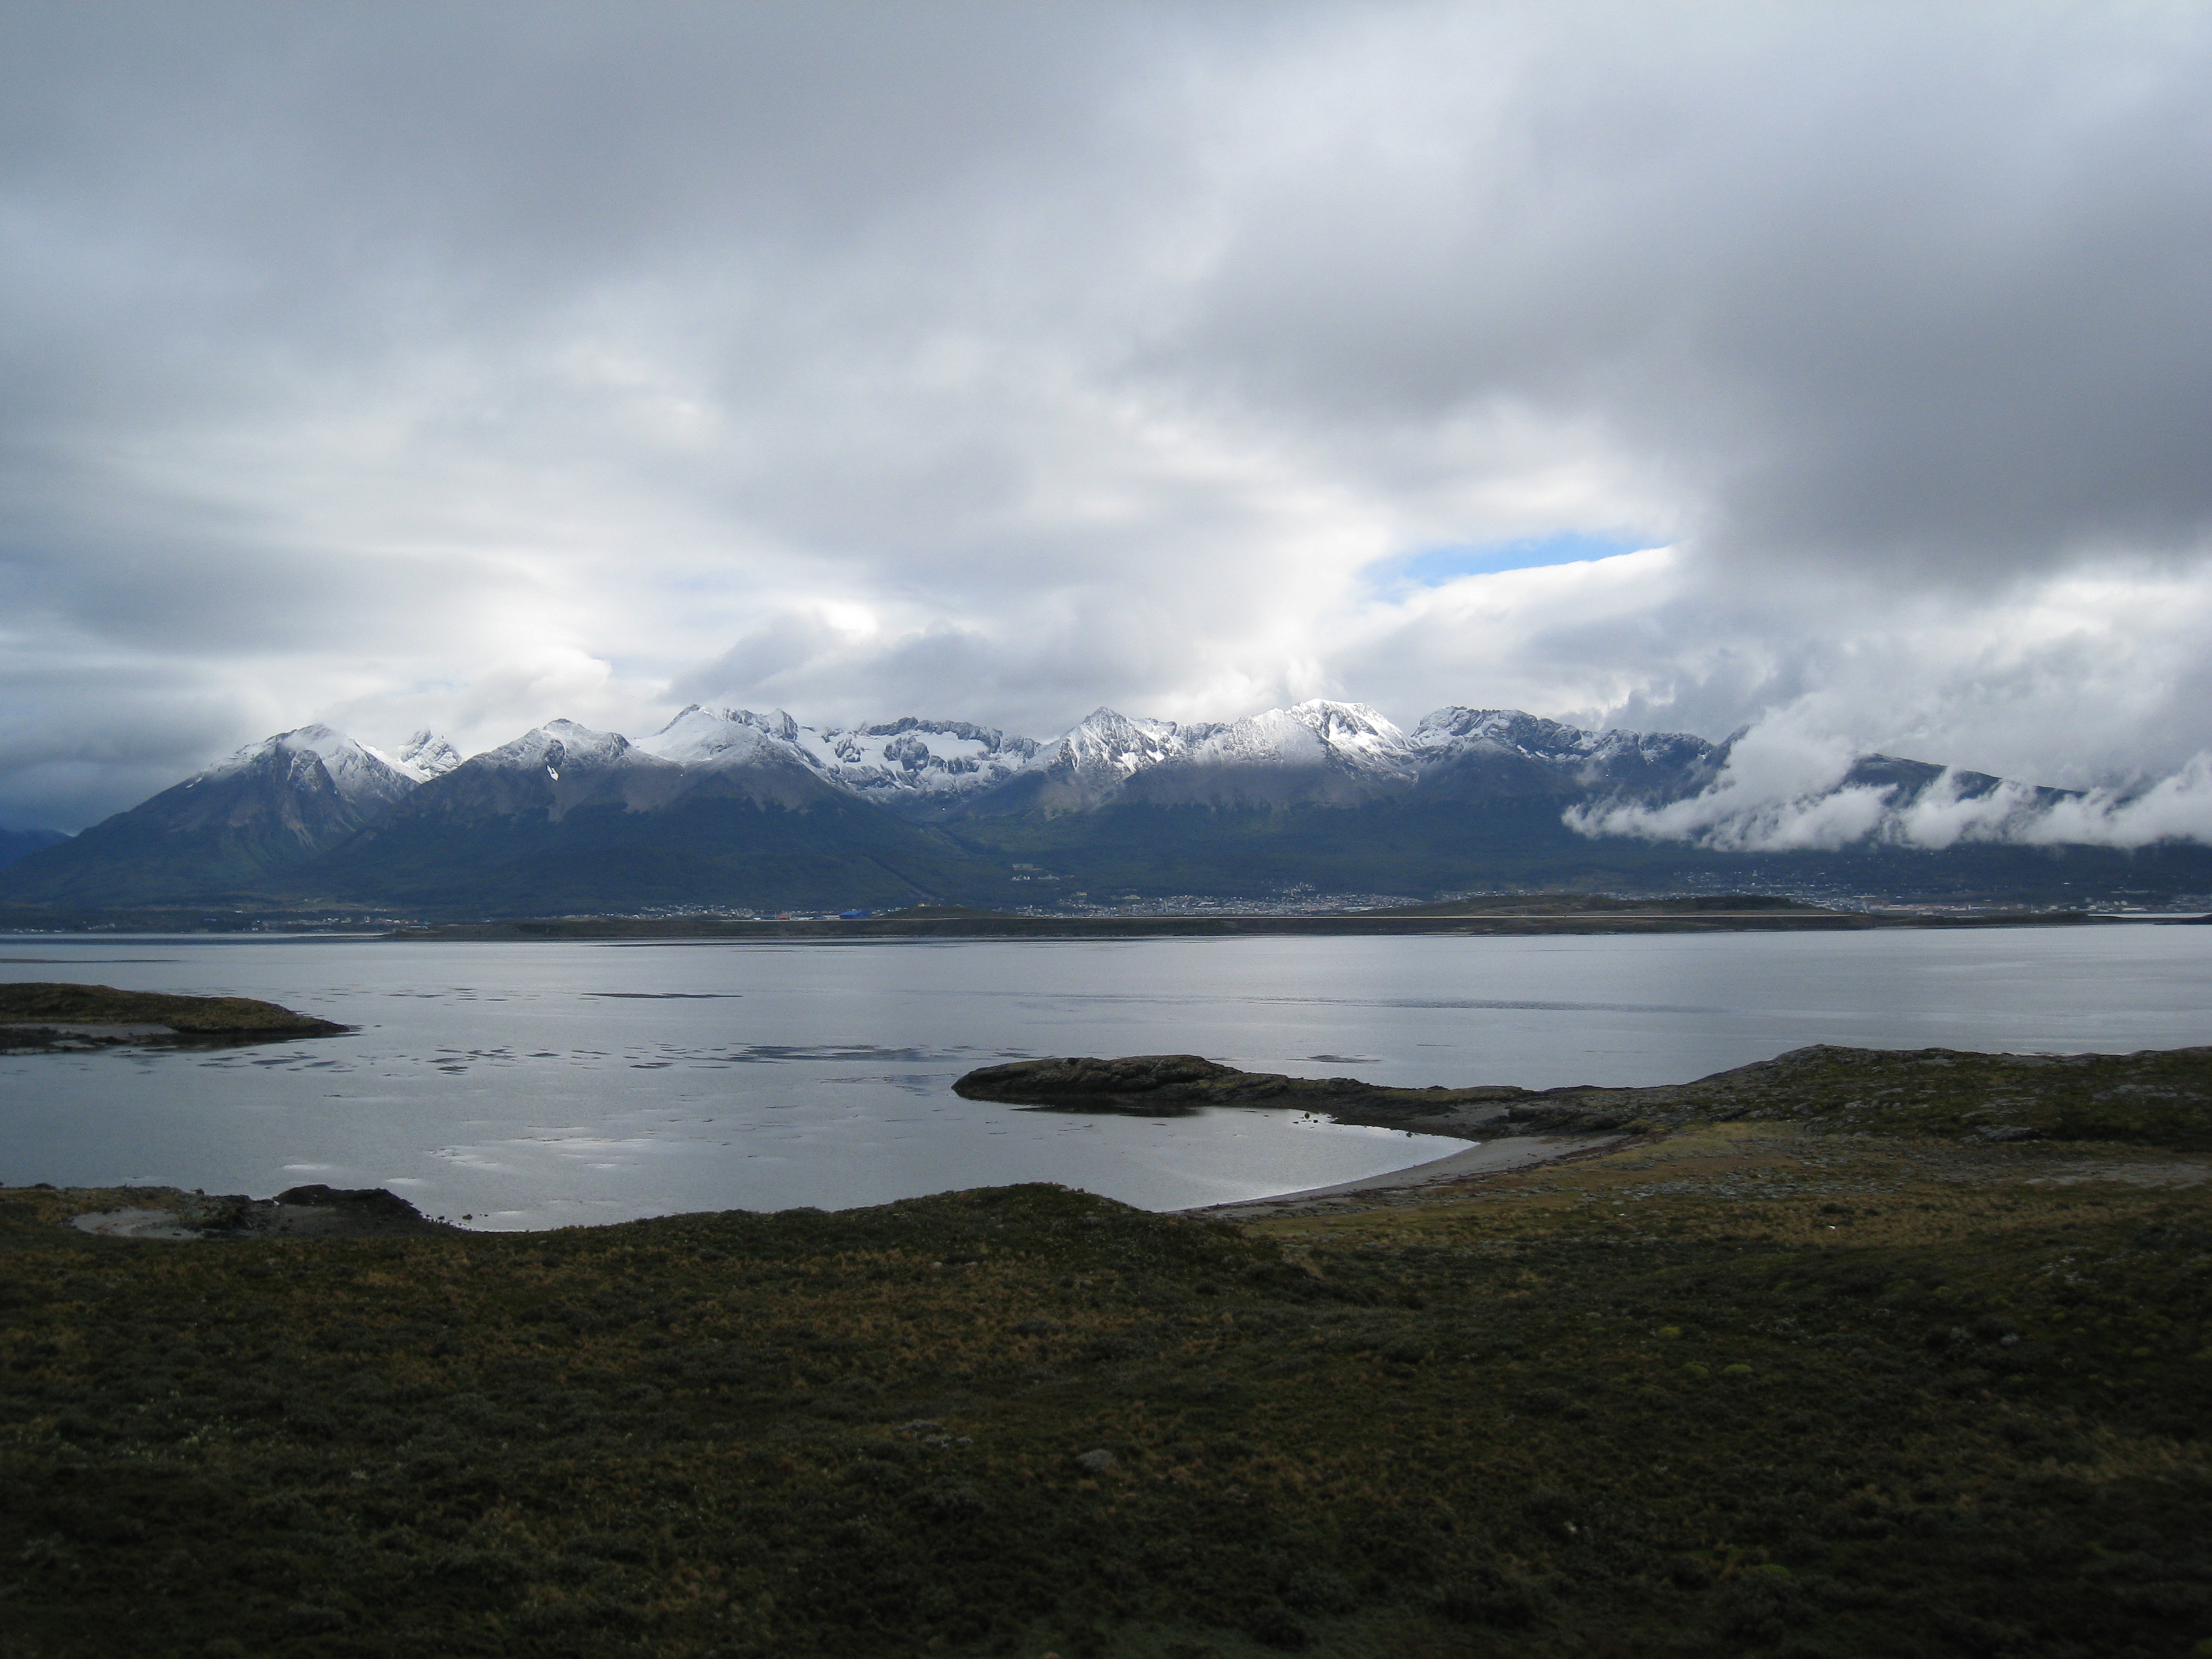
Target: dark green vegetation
1742 1388
32 1008
2160 1098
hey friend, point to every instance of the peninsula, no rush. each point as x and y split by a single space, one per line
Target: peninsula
1842 1353
2163 1095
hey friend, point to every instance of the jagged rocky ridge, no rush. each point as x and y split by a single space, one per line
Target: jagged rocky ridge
1317 753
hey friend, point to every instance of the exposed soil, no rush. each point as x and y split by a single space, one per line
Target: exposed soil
316 1212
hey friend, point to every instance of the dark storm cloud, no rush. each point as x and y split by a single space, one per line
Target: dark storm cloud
468 365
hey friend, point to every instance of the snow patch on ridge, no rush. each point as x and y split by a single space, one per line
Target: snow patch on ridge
558 745
1319 732
887 760
944 760
700 736
425 755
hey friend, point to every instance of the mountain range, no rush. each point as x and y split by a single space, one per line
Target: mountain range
727 808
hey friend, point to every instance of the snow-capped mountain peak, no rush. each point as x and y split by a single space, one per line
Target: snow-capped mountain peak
363 778
1453 728
1115 744
1494 749
1351 725
558 745
913 763
426 754
700 736
1317 733
1319 752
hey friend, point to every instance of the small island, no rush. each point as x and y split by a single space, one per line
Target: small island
45 1017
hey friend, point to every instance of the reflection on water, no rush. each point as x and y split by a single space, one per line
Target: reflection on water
535 1084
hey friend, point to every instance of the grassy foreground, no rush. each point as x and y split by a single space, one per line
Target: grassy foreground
1741 1388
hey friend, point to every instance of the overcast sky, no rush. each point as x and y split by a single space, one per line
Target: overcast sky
1841 370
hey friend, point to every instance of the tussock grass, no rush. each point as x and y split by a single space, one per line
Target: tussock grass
1745 1388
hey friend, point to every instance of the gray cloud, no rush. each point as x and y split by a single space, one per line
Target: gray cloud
472 364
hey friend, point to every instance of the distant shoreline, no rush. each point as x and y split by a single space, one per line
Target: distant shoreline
1204 926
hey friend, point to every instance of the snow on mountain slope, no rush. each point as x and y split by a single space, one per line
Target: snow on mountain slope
918 766
314 785
1316 753
425 755
559 767
560 746
1464 751
1348 737
724 736
268 809
553 769
910 765
1319 752
365 779
1086 766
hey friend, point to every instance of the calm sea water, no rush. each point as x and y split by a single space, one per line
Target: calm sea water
531 1086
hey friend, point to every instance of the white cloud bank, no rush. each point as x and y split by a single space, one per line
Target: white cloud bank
469 365
1775 795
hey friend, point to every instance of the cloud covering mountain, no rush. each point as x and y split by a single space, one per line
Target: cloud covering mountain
1841 373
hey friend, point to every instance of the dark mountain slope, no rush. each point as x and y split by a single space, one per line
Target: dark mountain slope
1423 846
710 850
19 844
565 819
724 809
243 826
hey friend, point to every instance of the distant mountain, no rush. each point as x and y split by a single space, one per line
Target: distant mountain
21 843
240 825
726 807
1486 753
1317 754
918 767
720 808
425 756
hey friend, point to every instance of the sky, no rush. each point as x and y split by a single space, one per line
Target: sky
1840 372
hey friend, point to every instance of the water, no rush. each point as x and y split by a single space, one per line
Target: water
530 1085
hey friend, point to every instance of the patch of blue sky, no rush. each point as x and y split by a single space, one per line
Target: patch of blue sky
1433 566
